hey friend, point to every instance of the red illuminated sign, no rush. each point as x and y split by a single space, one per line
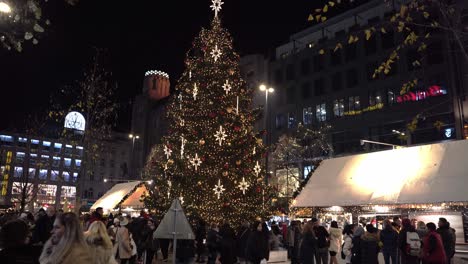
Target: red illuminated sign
432 91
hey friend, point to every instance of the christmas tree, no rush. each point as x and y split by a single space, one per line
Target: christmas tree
211 158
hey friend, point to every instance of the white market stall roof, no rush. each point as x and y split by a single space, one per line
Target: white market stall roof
123 194
433 173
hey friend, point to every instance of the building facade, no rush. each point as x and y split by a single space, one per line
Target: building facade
317 83
44 171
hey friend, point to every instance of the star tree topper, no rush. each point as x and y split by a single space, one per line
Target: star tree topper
227 87
216 53
257 169
216 6
243 185
219 189
220 135
196 162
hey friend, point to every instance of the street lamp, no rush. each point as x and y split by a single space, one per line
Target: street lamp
133 137
264 88
363 141
5 8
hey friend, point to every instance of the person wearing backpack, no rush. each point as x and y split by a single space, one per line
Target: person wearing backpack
409 243
389 239
433 249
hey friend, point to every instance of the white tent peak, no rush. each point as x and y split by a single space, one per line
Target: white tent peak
174 221
111 199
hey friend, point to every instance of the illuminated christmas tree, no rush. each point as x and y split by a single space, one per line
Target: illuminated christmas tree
211 158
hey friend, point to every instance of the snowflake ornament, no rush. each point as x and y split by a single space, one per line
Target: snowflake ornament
196 162
243 185
167 151
216 53
257 169
220 135
227 87
218 189
195 91
216 6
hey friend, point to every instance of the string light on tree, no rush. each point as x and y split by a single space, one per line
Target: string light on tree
243 185
227 87
167 151
219 189
216 53
195 91
220 135
196 161
183 141
216 6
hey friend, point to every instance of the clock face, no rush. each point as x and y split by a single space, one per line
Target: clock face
75 120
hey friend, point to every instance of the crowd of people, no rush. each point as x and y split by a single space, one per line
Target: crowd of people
51 237
400 241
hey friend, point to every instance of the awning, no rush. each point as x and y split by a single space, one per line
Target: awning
433 173
123 194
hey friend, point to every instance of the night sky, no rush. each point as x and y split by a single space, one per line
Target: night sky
138 36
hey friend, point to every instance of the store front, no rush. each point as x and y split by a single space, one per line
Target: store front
423 183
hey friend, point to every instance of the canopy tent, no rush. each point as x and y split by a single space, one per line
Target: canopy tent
433 173
124 195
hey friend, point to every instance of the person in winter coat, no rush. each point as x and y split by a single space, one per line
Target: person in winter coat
370 245
241 245
15 242
257 244
308 244
348 242
99 243
433 249
200 235
43 226
323 243
336 239
266 234
227 251
448 238
405 256
290 238
185 251
295 252
123 242
213 243
150 244
96 216
356 249
66 245
389 239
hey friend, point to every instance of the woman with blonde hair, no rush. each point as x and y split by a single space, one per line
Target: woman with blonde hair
66 245
100 245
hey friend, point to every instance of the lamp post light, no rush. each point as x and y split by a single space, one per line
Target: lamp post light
4 8
133 137
264 88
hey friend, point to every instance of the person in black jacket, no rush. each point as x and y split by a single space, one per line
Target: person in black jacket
44 226
227 251
200 236
16 247
356 249
448 238
389 238
150 244
241 245
213 243
323 242
370 245
257 245
308 245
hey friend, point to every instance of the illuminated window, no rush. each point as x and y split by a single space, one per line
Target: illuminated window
75 176
354 104
375 98
6 138
35 141
57 147
42 174
77 163
54 174
291 120
68 192
56 161
32 173
46 193
67 162
66 176
18 172
307 115
338 107
46 143
20 157
391 97
321 112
